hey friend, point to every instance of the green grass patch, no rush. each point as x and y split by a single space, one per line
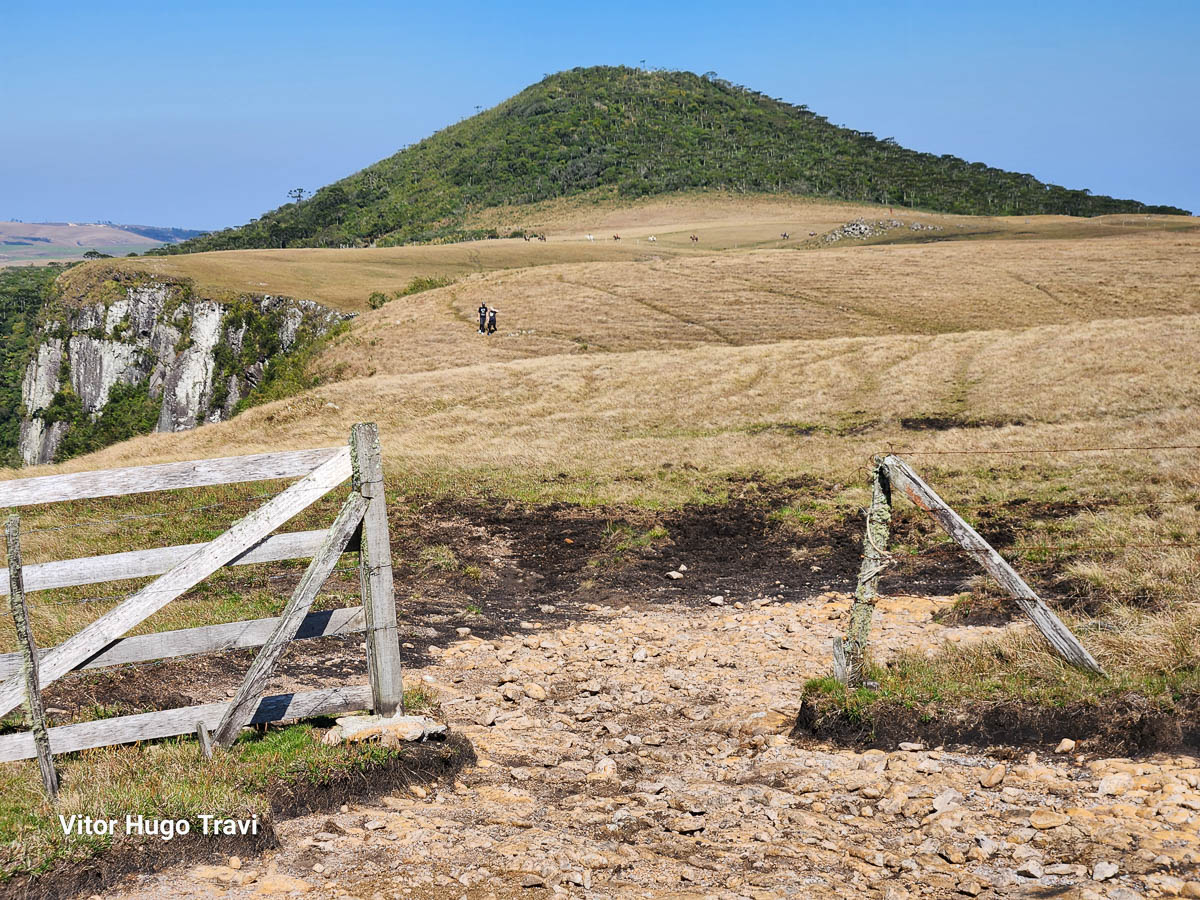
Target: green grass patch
165 780
1002 670
622 540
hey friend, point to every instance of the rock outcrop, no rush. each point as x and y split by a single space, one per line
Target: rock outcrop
197 357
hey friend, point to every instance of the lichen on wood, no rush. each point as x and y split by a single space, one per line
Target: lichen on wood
874 560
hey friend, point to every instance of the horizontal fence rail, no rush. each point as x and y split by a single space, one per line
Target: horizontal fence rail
163 477
141 563
172 722
204 639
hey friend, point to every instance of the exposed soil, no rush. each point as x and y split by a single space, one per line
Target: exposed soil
508 563
504 563
1121 726
645 752
946 423
100 872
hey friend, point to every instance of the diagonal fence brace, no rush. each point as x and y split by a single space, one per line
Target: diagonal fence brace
902 476
242 707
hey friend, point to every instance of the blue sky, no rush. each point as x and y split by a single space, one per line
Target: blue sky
204 116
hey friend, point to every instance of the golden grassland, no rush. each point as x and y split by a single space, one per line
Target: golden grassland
652 379
653 376
722 221
762 297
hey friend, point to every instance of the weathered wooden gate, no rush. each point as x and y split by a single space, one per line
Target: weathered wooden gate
361 524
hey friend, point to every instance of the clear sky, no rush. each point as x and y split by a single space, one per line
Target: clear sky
203 115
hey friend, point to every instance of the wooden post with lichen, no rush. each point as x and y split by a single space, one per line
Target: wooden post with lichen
29 658
874 559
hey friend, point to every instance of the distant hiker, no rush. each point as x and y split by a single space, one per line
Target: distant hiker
592 238
491 321
483 317
616 237
652 239
784 235
542 237
695 239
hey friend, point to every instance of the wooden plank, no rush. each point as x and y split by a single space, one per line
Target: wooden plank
298 605
33 692
202 735
1051 627
375 573
205 639
162 477
874 560
142 563
243 534
171 722
840 670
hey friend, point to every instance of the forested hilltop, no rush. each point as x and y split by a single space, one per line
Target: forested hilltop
641 133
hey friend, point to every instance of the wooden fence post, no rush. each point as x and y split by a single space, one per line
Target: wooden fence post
1051 627
205 739
29 654
375 573
874 559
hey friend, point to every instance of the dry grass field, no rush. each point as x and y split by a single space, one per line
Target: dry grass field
1014 363
631 375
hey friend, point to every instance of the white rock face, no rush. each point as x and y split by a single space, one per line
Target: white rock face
155 335
39 442
97 365
188 386
41 376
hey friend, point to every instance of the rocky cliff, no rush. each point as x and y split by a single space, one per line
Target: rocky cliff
121 353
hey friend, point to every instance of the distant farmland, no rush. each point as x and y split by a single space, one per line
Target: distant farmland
22 242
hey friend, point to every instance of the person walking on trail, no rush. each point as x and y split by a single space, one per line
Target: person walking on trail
483 314
491 321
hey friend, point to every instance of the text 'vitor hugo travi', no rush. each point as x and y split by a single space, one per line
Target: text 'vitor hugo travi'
164 829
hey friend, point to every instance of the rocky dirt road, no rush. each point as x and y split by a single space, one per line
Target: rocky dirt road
646 753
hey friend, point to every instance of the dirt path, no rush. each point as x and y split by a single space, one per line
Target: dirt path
645 753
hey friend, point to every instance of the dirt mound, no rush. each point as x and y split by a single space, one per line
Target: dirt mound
1129 725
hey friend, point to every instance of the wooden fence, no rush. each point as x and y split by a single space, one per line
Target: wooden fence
360 526
892 472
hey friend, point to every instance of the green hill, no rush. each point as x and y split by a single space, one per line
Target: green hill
641 133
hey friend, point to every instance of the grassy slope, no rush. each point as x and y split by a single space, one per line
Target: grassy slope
1045 343
344 278
640 133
